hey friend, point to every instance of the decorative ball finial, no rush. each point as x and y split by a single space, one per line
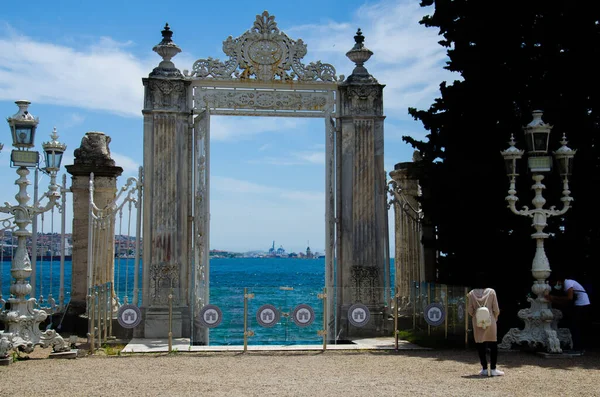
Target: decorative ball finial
359 39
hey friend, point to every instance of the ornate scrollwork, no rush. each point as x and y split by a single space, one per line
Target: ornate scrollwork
265 53
262 100
164 276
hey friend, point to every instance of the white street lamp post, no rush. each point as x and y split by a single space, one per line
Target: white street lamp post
21 319
540 319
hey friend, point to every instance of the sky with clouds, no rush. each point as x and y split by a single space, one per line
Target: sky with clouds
81 65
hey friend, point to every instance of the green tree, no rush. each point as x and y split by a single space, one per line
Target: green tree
510 57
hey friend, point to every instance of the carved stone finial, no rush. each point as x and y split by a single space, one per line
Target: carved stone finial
167 33
359 39
359 54
167 49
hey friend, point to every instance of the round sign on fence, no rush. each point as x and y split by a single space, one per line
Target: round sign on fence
129 316
435 314
358 315
267 316
303 315
210 316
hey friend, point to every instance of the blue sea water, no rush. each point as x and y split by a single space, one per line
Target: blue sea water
282 282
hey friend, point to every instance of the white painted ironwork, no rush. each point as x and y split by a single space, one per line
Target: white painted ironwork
410 264
201 217
7 225
102 228
23 320
263 53
264 76
294 100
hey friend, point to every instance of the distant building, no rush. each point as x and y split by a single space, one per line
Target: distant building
277 253
309 254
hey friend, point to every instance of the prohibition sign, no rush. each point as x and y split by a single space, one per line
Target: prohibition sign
358 315
267 316
435 314
129 316
210 316
303 315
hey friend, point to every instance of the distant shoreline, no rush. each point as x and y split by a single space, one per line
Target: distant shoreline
43 258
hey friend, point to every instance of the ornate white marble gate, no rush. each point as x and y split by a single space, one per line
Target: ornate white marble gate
263 76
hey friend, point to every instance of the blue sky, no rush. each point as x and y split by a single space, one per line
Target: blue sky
81 63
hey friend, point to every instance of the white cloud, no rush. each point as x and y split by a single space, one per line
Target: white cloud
71 120
269 193
299 158
129 165
102 77
407 57
245 128
312 157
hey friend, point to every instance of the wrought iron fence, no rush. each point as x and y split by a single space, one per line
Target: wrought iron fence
438 309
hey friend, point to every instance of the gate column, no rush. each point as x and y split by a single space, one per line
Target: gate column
363 210
92 156
167 196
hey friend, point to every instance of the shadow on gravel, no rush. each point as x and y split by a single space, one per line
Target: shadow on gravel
506 359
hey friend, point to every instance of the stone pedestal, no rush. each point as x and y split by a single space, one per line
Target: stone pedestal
157 322
92 156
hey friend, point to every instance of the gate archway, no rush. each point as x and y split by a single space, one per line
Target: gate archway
263 76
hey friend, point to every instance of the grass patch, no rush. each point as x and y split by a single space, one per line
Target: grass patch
112 349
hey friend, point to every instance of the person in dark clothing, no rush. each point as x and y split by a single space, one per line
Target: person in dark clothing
575 297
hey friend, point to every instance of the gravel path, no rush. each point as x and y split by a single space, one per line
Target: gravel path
332 373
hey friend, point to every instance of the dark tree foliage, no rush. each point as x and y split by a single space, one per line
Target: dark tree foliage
511 57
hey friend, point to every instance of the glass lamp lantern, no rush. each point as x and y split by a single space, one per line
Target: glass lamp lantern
564 158
537 137
511 155
22 126
53 152
537 134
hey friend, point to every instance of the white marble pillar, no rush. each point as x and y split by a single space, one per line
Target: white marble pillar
167 246
363 209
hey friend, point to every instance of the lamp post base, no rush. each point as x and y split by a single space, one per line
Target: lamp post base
541 331
23 329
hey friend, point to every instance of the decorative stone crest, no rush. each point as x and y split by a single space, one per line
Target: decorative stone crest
164 276
265 53
166 95
363 100
364 280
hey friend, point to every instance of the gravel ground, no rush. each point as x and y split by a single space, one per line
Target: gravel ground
344 373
